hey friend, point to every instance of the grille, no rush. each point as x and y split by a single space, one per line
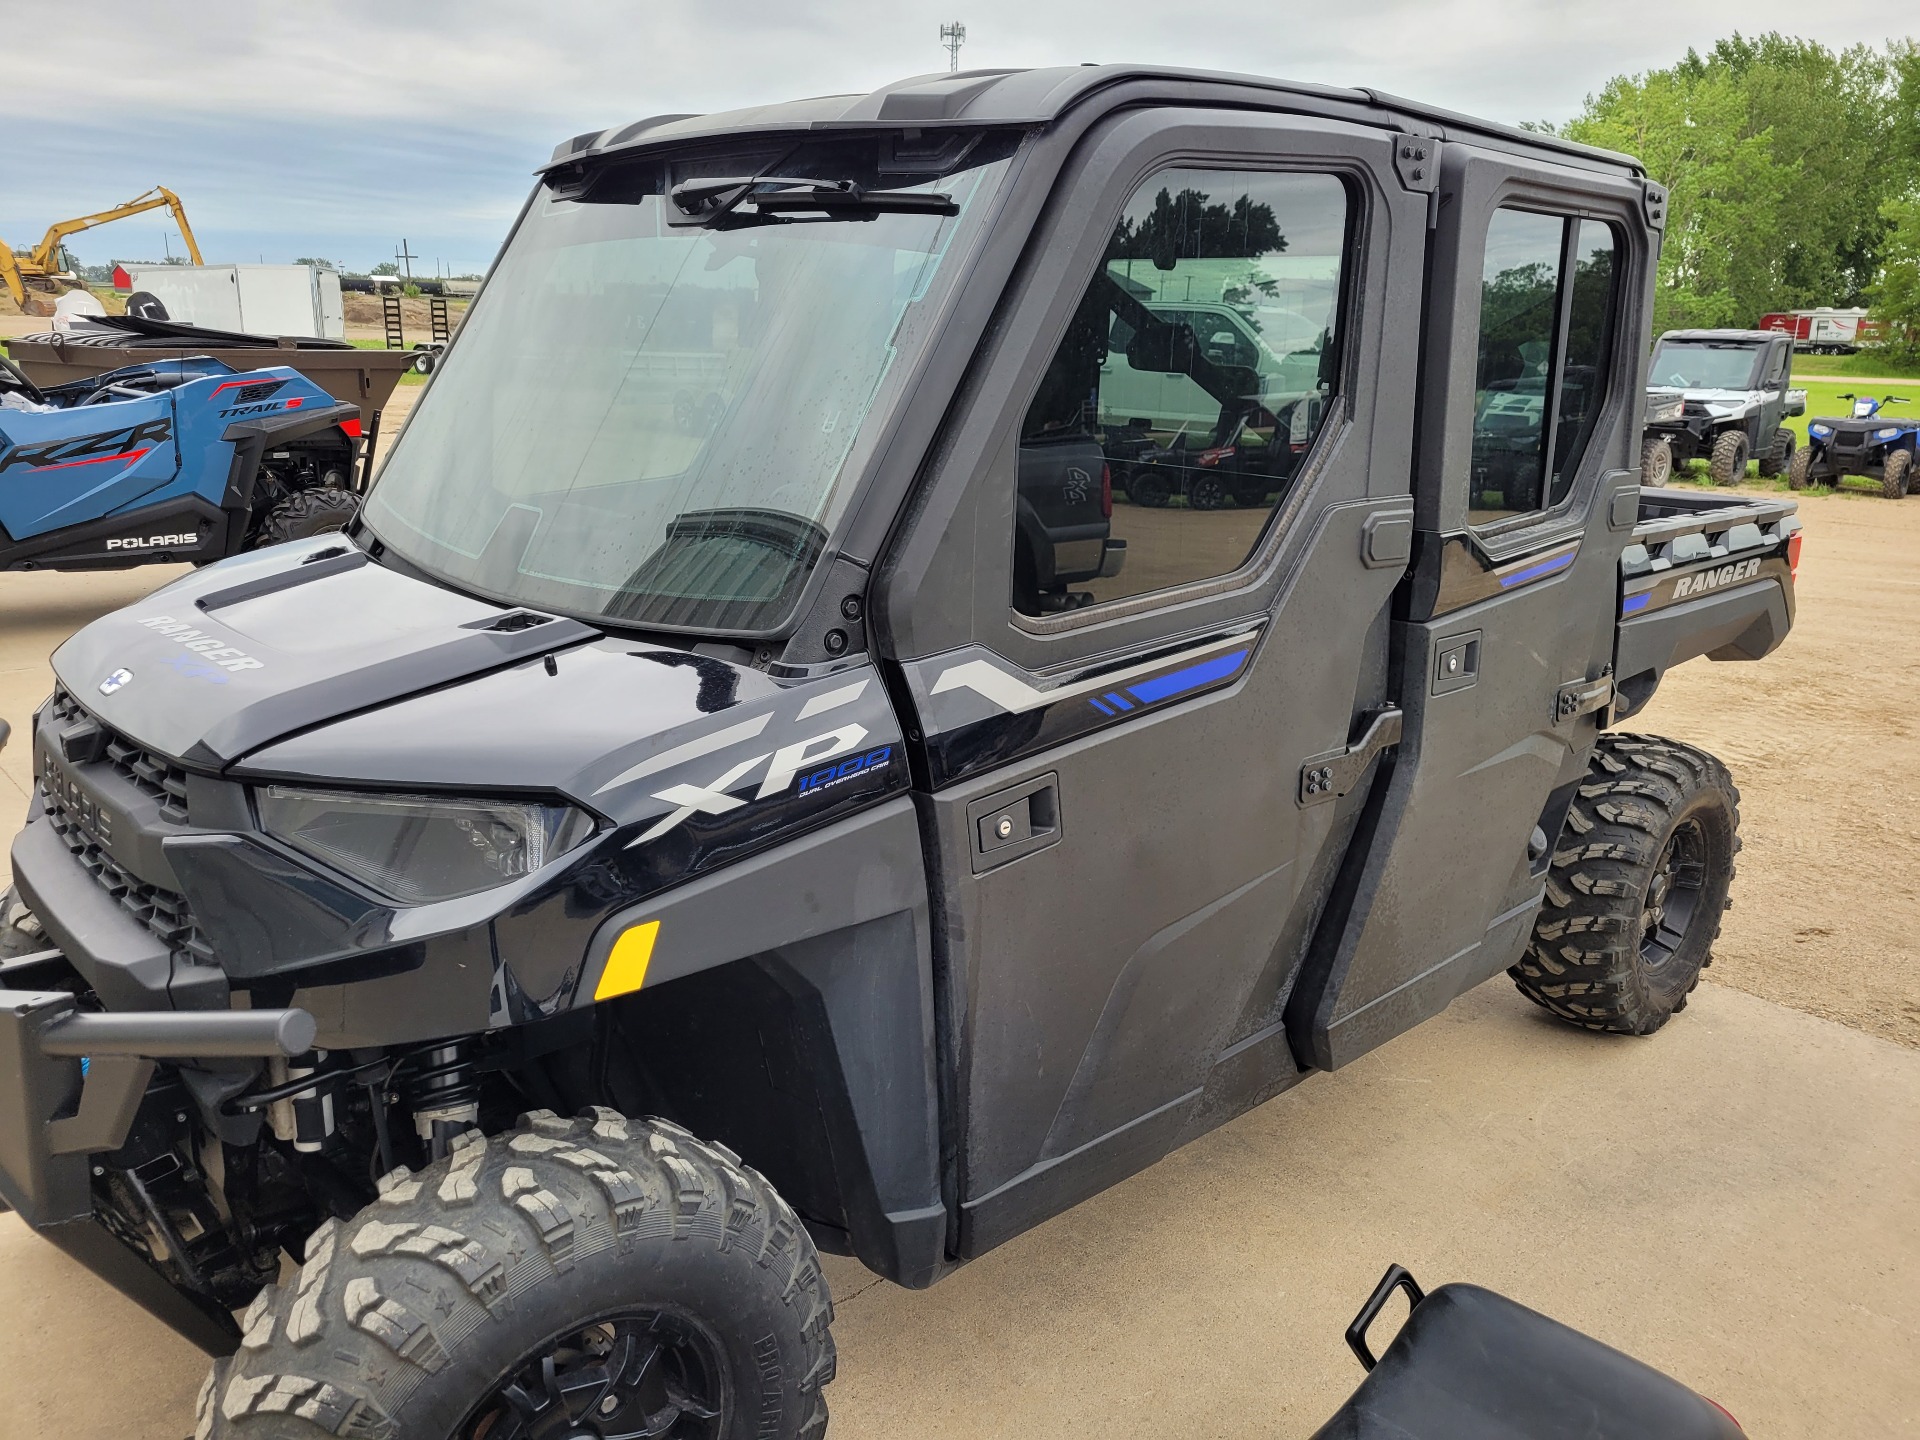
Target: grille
162 911
151 775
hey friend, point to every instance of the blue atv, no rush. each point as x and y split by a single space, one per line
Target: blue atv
182 459
1880 447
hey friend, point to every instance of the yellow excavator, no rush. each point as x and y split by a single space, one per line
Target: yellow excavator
38 266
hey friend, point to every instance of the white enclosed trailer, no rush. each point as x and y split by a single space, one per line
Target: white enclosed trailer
299 300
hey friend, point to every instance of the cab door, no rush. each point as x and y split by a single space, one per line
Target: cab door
1135 790
1530 388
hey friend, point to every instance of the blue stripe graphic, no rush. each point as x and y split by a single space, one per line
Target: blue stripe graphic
1101 708
1534 572
1179 682
1114 700
1636 602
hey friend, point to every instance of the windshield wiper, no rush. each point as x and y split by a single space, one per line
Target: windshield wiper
718 200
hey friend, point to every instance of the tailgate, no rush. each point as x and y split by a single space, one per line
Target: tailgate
1705 575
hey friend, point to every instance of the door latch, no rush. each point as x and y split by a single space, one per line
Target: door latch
1328 777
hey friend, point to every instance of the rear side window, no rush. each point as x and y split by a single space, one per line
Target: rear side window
1547 312
1178 408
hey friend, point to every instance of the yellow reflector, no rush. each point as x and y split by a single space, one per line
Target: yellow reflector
627 965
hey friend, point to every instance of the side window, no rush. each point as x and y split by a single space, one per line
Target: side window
1546 336
1177 411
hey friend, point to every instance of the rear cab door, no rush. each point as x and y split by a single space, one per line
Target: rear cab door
1126 858
1532 376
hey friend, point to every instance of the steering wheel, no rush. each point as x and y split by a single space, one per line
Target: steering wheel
12 377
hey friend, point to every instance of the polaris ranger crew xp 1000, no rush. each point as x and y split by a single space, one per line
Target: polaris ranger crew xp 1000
1721 396
636 856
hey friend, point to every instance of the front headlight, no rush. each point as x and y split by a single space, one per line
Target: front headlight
1892 432
1819 429
419 848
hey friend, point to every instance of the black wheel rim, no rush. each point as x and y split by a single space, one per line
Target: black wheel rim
645 1375
1673 894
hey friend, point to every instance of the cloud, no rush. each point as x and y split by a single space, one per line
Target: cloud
340 129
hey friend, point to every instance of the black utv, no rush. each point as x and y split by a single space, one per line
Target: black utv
631 861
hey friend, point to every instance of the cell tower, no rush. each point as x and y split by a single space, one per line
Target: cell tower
953 37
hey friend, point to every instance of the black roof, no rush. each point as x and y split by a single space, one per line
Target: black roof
1026 98
1750 336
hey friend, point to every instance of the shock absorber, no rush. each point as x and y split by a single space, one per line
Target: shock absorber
443 1092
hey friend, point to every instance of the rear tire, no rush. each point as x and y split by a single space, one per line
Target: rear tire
1729 462
1780 455
304 514
1151 487
1207 492
1799 468
621 1271
1893 479
1656 461
1636 888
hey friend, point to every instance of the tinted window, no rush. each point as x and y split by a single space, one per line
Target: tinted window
1177 410
656 421
1546 335
1589 346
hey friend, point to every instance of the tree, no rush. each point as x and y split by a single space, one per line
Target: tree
385 267
1188 226
1778 155
1896 298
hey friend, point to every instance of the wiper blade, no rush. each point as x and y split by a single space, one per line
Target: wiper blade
713 200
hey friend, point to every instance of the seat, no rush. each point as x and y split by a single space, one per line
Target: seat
1472 1365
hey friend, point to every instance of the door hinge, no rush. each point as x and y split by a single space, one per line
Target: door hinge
1416 159
1328 777
1583 697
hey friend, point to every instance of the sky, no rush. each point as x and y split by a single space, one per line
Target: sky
338 128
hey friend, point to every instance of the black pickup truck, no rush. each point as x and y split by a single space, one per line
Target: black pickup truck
628 862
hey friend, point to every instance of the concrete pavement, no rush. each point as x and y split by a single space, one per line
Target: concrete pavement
1736 1200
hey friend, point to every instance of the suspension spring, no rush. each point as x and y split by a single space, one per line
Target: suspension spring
442 1089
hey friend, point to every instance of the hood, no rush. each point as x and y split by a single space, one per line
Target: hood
255 648
600 719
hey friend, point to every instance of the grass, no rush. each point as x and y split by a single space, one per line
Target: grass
1868 364
411 377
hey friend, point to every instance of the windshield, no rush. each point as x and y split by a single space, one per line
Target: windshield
1703 365
658 423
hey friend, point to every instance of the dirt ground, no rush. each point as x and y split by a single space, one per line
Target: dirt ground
1824 743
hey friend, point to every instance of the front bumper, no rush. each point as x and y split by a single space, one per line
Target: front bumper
70 1086
70 1082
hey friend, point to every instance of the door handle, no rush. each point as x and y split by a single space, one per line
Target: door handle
1328 777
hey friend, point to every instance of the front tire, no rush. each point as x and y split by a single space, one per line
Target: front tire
1894 478
20 932
304 514
589 1277
1729 462
1800 468
1636 888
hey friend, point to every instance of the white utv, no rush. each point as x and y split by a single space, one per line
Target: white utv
1721 396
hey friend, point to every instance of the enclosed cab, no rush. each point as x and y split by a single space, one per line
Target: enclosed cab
663 840
1734 393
